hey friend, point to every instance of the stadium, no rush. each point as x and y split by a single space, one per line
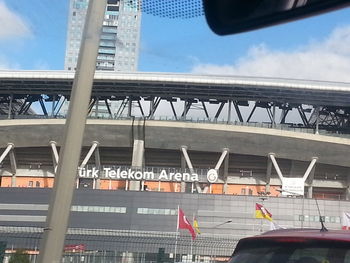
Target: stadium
196 142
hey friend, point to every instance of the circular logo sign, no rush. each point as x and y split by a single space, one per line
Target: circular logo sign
212 176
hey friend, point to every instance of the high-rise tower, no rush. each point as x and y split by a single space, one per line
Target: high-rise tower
119 44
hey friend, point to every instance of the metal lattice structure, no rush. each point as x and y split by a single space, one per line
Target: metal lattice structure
111 245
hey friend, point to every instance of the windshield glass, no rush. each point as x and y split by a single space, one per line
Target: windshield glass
115 115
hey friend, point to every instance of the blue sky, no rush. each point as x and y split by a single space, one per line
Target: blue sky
317 48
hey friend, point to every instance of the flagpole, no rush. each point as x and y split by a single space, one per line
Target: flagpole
177 232
192 238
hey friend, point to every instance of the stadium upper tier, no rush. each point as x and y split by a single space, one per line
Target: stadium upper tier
183 86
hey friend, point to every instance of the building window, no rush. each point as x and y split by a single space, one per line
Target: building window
98 209
37 184
30 184
156 211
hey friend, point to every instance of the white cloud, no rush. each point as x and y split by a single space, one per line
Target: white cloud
328 59
12 25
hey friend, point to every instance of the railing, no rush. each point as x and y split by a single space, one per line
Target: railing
283 127
107 246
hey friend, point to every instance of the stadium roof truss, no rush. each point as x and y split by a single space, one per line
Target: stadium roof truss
329 101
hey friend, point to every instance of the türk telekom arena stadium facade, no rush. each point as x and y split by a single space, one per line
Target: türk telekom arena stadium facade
138 166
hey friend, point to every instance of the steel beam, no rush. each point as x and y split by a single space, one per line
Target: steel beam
222 104
108 108
238 111
205 109
229 111
10 107
251 113
51 246
173 109
96 106
317 109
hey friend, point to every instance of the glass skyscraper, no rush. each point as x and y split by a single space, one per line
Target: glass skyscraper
119 43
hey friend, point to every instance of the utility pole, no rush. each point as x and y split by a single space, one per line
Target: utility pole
61 198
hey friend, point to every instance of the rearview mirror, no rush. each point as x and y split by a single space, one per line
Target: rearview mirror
236 16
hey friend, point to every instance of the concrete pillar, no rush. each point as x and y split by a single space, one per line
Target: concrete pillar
183 167
137 162
226 166
98 165
13 181
347 189
13 162
138 150
268 175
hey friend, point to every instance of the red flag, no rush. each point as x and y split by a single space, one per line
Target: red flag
183 223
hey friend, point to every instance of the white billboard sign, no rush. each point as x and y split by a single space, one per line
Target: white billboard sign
292 186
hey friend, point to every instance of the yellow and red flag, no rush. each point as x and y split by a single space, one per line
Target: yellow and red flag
195 226
261 212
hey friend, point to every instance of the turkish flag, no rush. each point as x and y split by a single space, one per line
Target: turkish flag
183 223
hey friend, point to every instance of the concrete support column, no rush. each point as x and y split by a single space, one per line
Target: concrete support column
268 175
9 148
13 162
89 154
347 189
55 156
183 167
275 164
98 165
13 181
226 166
137 162
310 168
138 137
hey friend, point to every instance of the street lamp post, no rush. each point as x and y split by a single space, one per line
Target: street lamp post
61 198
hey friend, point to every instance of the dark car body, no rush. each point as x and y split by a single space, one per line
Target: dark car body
294 246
